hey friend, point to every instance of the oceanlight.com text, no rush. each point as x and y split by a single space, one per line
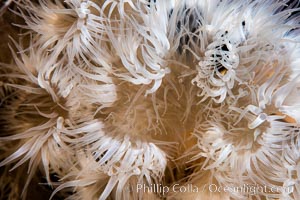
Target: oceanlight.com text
244 189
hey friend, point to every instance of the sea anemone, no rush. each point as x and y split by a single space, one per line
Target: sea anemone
145 99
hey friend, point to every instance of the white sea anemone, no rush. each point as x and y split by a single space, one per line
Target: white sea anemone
119 165
75 27
230 46
140 42
105 95
247 147
36 117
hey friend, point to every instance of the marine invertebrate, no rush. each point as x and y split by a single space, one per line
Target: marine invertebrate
144 99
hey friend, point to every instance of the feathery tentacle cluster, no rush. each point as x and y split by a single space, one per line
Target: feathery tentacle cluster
100 97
